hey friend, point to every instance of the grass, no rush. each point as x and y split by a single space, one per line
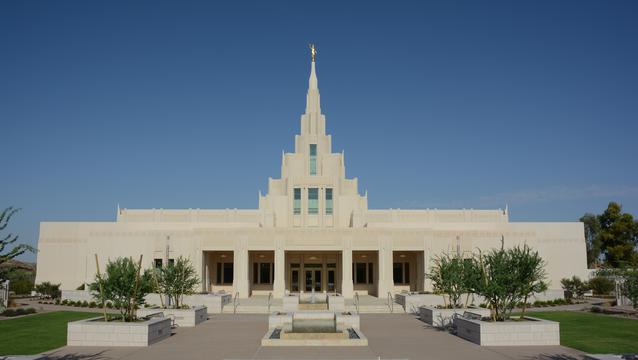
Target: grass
34 334
594 333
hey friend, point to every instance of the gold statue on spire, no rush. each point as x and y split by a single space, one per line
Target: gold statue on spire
313 51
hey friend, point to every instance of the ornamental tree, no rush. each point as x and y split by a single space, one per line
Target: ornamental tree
447 278
123 285
177 280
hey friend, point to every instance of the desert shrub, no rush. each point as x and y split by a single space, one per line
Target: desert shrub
81 287
85 303
9 312
602 285
48 290
92 304
574 287
109 305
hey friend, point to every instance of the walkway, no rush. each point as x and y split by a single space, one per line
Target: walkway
391 336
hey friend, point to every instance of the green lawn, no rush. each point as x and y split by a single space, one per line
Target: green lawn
594 333
34 334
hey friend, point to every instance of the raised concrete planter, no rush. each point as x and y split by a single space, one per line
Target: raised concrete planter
290 303
213 302
511 333
96 332
180 317
443 317
412 302
336 303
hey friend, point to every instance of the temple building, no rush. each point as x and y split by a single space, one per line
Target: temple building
312 231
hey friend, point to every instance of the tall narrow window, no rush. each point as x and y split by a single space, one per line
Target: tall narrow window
297 201
328 201
313 201
313 159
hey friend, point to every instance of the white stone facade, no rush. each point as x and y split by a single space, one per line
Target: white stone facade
313 229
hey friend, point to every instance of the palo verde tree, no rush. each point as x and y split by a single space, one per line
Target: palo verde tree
508 276
176 280
446 274
15 251
124 285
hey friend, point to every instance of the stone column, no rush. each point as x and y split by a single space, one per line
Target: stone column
347 287
386 280
420 270
240 269
279 284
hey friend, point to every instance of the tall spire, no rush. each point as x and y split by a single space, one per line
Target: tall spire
313 104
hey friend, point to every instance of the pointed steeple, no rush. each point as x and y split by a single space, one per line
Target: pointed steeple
313 103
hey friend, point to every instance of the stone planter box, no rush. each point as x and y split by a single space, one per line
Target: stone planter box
512 333
443 317
412 302
213 302
336 303
96 332
180 317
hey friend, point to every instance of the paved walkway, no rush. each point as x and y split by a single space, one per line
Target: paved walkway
390 336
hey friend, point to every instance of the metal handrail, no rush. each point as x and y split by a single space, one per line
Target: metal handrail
356 302
236 302
390 302
269 301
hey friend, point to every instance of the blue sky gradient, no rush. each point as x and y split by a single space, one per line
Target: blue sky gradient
532 104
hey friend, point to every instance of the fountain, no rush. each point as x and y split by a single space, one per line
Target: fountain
314 328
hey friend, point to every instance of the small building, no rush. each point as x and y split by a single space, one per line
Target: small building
312 231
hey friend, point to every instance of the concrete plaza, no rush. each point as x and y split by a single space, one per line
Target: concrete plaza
391 336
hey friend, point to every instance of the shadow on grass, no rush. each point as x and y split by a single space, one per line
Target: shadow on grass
94 356
554 357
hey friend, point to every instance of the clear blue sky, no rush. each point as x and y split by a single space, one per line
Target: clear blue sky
534 104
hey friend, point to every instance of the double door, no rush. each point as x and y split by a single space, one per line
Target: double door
313 280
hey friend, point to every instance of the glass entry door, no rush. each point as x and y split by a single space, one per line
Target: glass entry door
313 280
294 280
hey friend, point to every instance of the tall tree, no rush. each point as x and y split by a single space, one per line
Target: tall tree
5 241
592 239
618 236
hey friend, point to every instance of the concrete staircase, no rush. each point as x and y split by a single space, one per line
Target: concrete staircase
259 305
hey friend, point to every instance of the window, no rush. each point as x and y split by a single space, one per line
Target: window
401 272
171 262
158 263
328 201
370 273
313 201
361 273
313 159
297 201
227 273
264 273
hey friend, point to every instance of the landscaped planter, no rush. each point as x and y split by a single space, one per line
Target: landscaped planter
96 332
213 302
180 317
534 331
443 317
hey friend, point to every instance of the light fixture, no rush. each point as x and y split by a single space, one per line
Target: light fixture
364 256
261 256
402 255
223 256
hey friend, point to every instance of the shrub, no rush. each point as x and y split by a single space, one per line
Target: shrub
78 304
9 312
57 301
109 305
48 290
85 303
574 287
81 287
64 302
602 285
30 311
92 304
